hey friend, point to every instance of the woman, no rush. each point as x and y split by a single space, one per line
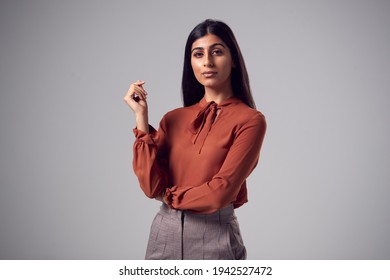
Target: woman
198 160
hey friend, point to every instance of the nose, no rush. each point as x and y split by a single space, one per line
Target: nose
208 60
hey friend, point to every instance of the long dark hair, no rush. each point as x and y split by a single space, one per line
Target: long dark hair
192 90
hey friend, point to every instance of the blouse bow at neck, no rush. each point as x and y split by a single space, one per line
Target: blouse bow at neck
201 126
203 122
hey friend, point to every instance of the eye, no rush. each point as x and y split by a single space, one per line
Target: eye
197 54
216 52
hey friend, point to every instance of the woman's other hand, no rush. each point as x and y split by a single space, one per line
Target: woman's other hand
136 99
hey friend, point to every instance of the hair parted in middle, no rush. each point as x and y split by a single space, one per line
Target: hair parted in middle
192 90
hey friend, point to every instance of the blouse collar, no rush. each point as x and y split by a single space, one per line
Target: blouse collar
228 101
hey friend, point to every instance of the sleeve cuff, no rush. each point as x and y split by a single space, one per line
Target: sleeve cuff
169 195
145 137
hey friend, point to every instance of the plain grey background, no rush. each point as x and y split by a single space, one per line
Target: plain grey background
319 71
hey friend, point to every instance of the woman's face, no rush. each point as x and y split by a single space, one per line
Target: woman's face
211 62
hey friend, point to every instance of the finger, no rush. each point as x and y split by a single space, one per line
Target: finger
141 96
135 96
136 88
140 91
136 91
141 88
136 84
132 100
131 92
139 83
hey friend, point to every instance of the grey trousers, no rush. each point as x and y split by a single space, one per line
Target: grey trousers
183 235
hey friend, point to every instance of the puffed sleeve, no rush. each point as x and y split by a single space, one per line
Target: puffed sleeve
150 161
224 187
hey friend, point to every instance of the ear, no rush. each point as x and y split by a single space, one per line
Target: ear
233 64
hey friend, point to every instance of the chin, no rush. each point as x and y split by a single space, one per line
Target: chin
210 84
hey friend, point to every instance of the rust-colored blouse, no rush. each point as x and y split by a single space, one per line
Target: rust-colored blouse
201 155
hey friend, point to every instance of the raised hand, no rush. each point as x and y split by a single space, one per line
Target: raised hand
136 99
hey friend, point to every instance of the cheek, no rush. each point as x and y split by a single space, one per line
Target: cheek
229 67
228 63
195 68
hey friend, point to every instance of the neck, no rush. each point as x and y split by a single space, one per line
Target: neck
218 95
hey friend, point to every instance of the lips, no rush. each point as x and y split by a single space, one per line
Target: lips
209 74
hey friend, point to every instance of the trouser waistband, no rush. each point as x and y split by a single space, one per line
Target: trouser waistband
225 214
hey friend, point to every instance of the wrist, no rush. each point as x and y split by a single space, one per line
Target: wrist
142 122
141 119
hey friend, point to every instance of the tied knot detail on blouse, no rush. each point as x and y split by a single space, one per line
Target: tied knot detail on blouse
201 155
201 126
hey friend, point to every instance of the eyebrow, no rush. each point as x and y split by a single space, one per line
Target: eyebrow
212 46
